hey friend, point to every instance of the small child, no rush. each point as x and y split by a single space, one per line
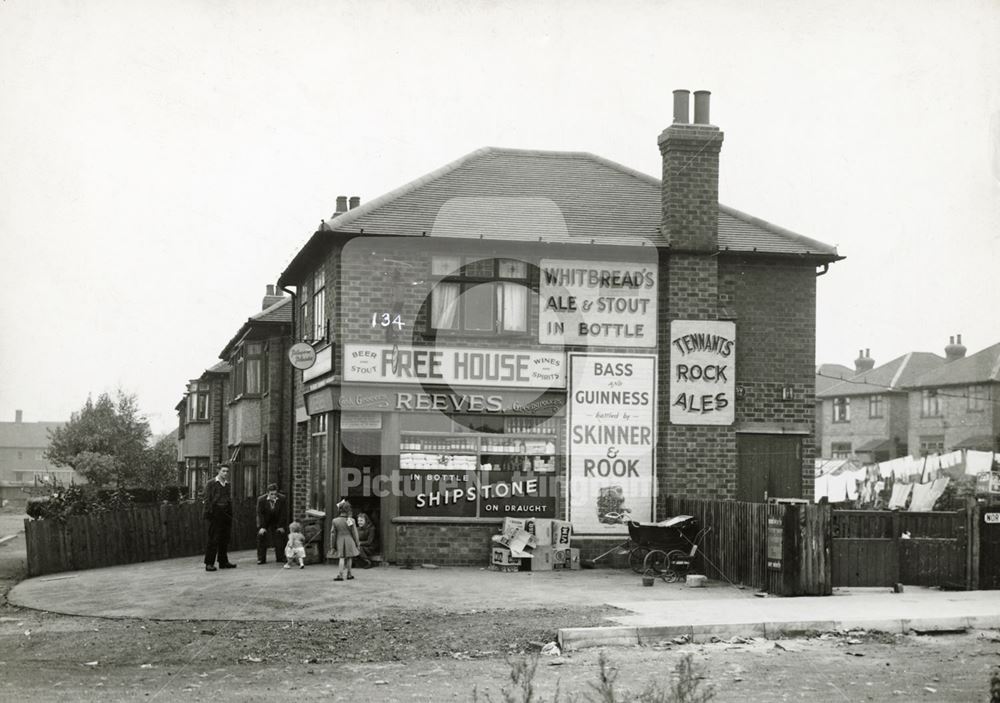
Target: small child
296 547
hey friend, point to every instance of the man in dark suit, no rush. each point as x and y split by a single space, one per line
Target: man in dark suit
218 512
271 524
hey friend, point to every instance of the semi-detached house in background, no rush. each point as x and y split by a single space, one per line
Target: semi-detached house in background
240 409
551 334
917 404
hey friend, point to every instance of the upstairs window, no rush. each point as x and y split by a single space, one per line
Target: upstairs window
304 313
875 406
197 401
488 296
841 409
978 395
930 403
247 369
319 304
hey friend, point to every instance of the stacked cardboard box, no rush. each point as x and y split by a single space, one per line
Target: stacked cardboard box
534 544
513 546
553 550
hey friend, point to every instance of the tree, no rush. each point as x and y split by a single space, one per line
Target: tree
105 442
159 470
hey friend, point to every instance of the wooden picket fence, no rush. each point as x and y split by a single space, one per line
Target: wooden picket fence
735 544
143 533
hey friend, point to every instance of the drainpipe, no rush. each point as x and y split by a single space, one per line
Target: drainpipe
287 480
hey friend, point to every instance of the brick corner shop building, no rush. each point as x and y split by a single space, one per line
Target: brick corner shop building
551 334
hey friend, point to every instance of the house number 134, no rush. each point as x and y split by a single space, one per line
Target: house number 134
385 319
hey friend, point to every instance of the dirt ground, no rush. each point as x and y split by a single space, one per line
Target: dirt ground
433 655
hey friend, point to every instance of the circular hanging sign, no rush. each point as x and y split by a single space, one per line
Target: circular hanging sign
302 355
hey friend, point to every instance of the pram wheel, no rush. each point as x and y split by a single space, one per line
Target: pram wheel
637 559
655 561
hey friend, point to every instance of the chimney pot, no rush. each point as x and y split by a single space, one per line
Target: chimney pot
864 361
341 204
18 415
955 349
681 111
355 201
701 102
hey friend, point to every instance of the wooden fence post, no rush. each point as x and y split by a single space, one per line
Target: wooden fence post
972 512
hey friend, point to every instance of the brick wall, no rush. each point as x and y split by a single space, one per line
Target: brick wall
956 422
445 545
300 472
774 301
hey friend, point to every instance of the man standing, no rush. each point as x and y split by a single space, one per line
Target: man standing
270 524
219 513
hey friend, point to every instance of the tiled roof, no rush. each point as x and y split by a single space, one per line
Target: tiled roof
27 435
830 374
981 367
221 367
280 312
522 195
892 376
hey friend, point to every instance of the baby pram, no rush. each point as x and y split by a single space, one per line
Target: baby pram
667 549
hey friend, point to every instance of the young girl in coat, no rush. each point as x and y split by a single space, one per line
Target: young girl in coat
344 537
296 547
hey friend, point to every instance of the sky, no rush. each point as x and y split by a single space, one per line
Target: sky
163 162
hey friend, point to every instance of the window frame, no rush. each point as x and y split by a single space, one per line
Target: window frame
198 405
840 450
977 396
876 406
930 403
319 327
248 355
931 444
466 277
842 409
319 448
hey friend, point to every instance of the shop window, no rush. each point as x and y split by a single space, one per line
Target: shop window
319 304
840 450
930 403
933 444
478 295
841 409
977 397
318 454
197 401
875 406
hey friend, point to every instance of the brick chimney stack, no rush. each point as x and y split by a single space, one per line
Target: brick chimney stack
273 295
341 205
864 362
954 351
690 198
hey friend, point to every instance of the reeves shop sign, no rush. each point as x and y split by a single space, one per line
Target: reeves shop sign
702 372
595 304
454 366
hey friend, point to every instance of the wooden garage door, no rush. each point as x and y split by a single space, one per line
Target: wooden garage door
769 466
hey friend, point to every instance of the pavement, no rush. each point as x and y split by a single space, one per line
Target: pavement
180 589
